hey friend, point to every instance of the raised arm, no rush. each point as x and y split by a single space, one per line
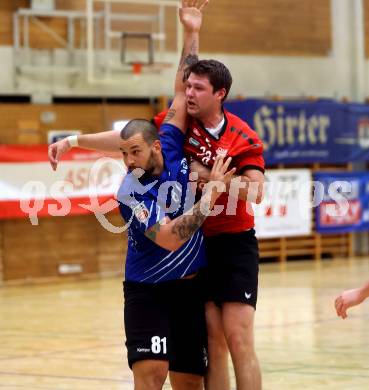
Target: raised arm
190 15
172 234
105 141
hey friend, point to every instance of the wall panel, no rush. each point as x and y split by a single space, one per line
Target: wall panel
274 27
18 120
36 252
7 7
366 26
268 27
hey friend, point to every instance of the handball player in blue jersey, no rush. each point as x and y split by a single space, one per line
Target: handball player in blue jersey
164 308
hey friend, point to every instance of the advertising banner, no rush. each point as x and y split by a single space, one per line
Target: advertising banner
321 131
286 209
83 181
343 201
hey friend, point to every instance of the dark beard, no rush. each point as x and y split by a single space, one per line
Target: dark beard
150 168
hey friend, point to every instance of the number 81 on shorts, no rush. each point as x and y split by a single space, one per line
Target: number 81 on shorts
158 345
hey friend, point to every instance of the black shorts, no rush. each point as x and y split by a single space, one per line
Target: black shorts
166 321
233 268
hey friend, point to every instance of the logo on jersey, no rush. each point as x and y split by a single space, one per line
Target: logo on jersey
184 166
194 142
208 142
141 212
222 152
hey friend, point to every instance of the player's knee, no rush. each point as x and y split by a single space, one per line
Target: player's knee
217 346
191 382
152 381
150 376
157 376
216 339
239 343
194 384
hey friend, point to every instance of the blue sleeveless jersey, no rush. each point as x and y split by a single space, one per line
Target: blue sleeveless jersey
145 201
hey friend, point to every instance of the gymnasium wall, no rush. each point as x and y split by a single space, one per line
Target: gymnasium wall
284 27
35 252
366 24
283 47
25 123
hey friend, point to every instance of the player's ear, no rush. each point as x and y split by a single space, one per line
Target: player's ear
220 94
156 146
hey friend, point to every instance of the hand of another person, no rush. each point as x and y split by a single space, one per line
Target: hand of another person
348 299
190 14
220 173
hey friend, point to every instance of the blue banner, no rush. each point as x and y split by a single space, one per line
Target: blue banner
321 131
342 201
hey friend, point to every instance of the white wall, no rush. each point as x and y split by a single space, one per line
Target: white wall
336 75
253 76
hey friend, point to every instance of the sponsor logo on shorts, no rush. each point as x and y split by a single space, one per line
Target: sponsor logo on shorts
248 296
143 350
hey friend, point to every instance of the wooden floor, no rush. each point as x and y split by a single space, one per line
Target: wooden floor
70 335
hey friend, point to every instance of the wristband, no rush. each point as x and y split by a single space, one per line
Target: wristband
73 140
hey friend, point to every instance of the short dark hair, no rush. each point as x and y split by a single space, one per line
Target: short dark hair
140 126
218 74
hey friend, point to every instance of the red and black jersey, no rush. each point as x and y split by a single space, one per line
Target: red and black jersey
238 141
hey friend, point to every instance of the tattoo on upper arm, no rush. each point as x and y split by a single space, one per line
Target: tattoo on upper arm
191 59
187 61
153 231
170 115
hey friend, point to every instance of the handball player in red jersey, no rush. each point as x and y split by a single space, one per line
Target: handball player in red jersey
232 248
